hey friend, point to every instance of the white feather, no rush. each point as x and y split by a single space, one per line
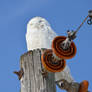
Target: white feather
40 35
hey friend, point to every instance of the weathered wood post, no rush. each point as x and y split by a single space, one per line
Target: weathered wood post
32 79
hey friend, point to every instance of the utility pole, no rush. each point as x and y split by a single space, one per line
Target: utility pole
32 79
36 78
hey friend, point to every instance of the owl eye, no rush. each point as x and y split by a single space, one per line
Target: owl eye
40 21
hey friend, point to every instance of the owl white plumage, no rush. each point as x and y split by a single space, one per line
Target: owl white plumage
40 35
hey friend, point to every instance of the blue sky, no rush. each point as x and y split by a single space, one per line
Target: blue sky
62 15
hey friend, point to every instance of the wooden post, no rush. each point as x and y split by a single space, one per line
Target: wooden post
32 79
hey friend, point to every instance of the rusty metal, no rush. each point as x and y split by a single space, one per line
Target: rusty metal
20 73
44 72
73 86
84 86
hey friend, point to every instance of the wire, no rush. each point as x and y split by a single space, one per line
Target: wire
81 24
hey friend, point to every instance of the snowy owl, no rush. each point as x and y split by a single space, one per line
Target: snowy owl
40 35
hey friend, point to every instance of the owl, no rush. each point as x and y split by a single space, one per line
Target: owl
40 35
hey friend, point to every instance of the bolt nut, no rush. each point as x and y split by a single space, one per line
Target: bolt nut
90 13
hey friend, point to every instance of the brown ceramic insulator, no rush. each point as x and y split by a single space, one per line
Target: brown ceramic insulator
84 86
50 63
61 53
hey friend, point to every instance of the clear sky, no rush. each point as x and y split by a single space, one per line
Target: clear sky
62 15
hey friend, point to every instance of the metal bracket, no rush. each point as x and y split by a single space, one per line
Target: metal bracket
89 21
71 87
20 73
44 73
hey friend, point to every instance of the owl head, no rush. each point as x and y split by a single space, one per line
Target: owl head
38 22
